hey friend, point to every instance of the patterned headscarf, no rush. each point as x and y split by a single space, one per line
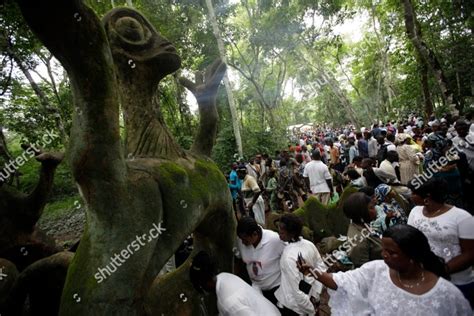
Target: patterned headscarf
438 144
381 191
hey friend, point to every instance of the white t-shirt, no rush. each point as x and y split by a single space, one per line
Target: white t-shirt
318 173
289 294
369 290
263 262
443 233
373 147
237 298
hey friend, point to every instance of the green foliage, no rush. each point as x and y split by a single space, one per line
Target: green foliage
225 150
175 111
60 208
279 53
23 113
257 142
63 182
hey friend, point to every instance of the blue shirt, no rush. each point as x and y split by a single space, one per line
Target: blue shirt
235 184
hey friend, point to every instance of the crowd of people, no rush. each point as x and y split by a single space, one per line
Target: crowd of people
323 161
410 241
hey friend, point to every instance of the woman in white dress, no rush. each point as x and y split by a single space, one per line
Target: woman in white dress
409 281
409 160
449 229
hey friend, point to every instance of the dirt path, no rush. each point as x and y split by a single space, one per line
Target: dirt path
66 229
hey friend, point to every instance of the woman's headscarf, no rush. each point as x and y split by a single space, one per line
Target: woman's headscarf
438 144
381 191
401 137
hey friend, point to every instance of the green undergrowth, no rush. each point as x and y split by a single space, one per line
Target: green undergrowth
60 208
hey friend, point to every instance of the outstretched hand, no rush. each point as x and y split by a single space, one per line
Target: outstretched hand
323 277
207 83
304 267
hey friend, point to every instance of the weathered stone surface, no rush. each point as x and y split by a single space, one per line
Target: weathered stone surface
113 64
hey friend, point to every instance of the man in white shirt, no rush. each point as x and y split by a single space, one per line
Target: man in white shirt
388 164
260 249
234 296
291 298
318 178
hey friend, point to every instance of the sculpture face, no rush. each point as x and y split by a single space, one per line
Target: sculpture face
133 37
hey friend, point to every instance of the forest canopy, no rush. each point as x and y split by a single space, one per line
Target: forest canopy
289 62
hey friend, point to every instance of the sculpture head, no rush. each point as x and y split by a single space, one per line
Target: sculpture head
134 42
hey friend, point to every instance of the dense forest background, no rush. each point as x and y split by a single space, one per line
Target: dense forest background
289 62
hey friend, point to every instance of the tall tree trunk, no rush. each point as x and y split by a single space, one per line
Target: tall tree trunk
228 87
425 53
386 75
428 104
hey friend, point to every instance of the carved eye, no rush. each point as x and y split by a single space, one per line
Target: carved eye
130 29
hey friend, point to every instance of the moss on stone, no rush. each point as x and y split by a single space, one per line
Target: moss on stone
325 221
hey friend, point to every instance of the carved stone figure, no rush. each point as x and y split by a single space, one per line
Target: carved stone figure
152 181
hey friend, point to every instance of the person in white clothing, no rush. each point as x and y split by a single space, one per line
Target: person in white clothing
252 195
387 165
292 299
450 231
260 250
373 146
410 280
234 296
318 178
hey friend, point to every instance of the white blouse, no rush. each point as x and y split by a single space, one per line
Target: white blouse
443 233
370 291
